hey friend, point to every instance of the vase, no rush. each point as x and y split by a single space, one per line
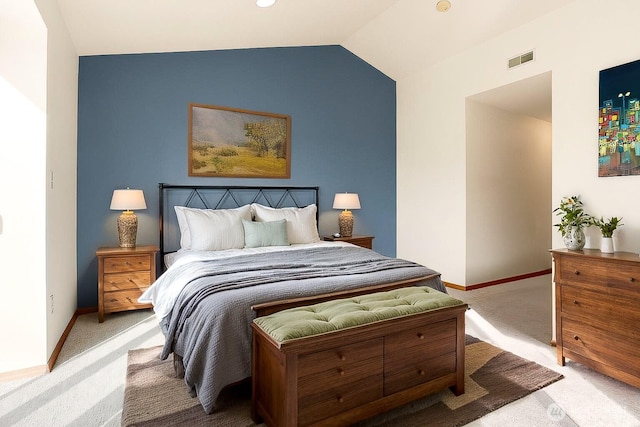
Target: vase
574 239
606 246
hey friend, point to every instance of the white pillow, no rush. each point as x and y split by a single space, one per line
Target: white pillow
185 236
301 222
212 229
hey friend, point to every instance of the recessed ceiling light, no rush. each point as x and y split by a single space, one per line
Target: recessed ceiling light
443 5
265 3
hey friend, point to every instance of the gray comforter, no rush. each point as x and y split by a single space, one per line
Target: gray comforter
209 325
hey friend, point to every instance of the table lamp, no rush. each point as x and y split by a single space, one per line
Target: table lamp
346 201
126 201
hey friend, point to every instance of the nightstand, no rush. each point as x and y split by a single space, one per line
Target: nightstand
123 275
363 241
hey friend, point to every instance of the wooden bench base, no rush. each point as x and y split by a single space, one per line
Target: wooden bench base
341 377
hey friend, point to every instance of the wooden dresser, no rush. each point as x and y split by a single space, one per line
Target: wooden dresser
598 311
338 378
123 275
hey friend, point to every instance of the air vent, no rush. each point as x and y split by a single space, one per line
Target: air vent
520 59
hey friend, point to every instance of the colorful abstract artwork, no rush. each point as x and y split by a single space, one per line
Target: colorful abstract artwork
619 113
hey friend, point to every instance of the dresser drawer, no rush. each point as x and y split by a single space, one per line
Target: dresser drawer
612 347
599 274
339 357
123 300
342 397
127 263
123 281
614 309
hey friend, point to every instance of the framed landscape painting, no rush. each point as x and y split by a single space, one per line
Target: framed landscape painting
229 142
618 116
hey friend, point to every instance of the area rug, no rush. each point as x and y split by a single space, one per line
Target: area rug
153 395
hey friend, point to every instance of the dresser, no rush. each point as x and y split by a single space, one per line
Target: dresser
123 275
598 311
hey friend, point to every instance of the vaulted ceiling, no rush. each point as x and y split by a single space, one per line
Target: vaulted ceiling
398 37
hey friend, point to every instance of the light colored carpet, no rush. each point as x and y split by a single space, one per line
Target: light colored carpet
155 397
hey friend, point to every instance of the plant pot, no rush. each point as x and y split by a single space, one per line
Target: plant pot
606 246
574 239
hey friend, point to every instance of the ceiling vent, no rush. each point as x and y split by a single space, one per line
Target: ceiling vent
520 59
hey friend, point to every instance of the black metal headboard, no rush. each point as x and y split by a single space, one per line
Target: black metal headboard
221 197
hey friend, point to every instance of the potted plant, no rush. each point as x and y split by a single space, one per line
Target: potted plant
573 219
607 228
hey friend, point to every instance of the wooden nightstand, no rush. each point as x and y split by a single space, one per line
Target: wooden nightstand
363 241
123 275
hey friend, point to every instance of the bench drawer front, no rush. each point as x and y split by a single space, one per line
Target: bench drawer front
419 355
329 402
340 376
338 357
419 372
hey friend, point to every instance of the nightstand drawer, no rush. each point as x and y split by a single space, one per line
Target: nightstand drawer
123 300
127 263
124 281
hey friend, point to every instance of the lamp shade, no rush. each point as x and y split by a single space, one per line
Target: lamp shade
265 3
128 200
346 201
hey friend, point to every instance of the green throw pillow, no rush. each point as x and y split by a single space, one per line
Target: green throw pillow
270 233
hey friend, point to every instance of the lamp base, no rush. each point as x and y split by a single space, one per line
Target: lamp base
345 221
127 229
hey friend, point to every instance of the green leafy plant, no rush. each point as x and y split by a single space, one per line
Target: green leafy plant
607 227
572 214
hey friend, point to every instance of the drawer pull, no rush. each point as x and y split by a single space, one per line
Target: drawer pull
341 372
577 338
340 399
575 302
631 279
421 335
127 263
577 273
421 372
342 357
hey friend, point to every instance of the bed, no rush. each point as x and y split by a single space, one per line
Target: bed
229 254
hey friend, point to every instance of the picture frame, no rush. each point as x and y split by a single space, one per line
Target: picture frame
231 142
618 120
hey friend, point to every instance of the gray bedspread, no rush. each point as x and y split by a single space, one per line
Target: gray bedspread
209 325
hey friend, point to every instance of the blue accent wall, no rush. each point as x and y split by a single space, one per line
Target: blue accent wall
132 132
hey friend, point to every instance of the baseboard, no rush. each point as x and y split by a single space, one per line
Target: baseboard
63 338
21 374
498 282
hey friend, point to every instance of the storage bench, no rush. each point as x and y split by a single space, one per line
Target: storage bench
345 360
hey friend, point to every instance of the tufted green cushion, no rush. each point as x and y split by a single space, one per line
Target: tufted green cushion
349 312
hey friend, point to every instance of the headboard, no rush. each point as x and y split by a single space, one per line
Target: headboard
221 197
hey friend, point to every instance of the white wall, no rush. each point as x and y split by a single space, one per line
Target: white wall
575 44
508 193
61 164
38 105
23 56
